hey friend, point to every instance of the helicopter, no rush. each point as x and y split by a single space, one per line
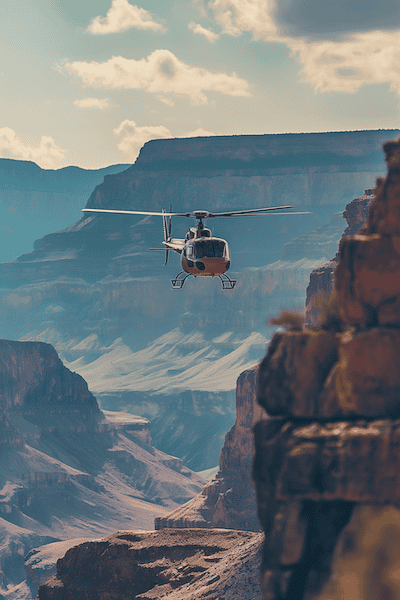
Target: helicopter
202 254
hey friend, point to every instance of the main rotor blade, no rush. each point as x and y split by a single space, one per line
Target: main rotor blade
251 211
134 212
198 214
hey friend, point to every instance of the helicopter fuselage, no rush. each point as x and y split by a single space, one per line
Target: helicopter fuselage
205 256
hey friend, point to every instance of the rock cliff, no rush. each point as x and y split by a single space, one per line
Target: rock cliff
163 565
228 500
68 469
35 385
326 466
321 283
237 171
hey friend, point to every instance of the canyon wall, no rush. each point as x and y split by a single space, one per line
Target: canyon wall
326 466
228 501
68 469
238 171
35 384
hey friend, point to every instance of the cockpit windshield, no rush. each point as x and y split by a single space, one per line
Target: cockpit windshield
209 248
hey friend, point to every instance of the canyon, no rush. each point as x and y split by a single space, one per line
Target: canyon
173 363
97 294
228 501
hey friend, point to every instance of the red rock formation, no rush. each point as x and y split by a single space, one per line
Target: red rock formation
329 460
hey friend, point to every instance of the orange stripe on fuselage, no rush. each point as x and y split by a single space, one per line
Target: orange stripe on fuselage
213 266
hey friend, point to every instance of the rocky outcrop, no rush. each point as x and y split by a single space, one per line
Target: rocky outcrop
35 384
228 500
138 427
321 284
168 565
327 466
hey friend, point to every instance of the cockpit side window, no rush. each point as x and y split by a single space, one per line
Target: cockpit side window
189 252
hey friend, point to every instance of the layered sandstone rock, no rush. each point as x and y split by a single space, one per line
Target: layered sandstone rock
168 564
321 283
229 499
34 383
327 466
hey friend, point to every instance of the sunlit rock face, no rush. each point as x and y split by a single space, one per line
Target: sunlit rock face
327 462
168 564
228 501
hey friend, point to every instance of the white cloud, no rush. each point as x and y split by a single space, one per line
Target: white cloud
161 72
209 34
123 16
46 154
344 66
92 103
343 61
237 16
133 136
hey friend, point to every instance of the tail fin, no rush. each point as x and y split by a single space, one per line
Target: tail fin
167 227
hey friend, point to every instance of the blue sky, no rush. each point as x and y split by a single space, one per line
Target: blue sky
87 83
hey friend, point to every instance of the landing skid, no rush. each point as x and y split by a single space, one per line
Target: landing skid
227 282
180 279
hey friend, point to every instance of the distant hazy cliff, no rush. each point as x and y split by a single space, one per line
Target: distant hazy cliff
35 201
233 171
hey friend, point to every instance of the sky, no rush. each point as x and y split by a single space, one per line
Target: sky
88 83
